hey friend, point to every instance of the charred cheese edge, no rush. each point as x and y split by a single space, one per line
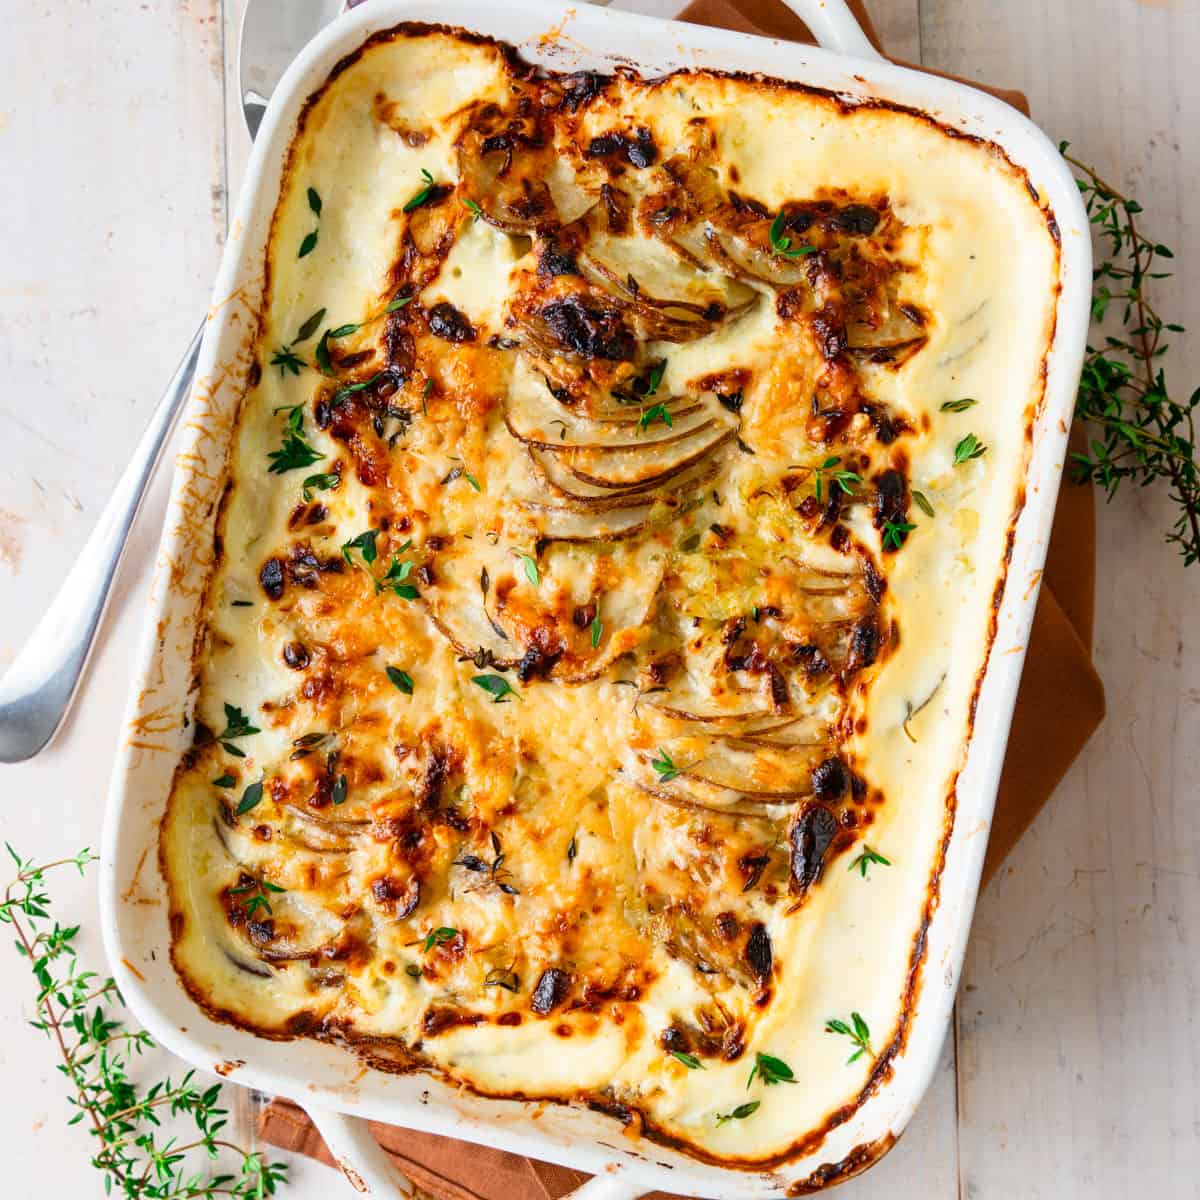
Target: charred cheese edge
575 629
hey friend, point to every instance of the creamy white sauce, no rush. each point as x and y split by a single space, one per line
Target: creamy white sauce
985 271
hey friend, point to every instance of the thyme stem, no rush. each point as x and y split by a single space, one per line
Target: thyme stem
94 1048
1146 435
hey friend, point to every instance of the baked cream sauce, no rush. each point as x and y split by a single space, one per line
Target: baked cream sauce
584 852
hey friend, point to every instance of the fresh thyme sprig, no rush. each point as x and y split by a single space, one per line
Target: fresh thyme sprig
781 243
770 1070
866 859
664 767
73 1006
422 196
438 937
845 479
1142 434
895 533
309 244
295 452
740 1113
857 1032
237 725
656 412
257 894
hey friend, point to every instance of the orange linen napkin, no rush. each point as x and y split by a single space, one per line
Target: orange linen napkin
1060 704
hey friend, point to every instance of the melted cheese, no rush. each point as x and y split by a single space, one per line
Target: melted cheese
586 453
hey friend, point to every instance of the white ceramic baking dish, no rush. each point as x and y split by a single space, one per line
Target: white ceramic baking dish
330 1082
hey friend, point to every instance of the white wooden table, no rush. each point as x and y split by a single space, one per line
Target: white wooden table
1074 1069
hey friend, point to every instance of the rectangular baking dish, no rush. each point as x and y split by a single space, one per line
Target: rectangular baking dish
328 1081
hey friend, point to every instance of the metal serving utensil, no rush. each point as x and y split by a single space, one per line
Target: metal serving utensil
37 690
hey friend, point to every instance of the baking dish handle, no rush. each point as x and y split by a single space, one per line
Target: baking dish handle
359 1157
616 1186
835 27
370 1172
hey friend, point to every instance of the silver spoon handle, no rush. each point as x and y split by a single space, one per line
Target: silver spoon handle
37 689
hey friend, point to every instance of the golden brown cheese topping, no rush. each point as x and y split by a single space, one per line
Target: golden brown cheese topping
614 524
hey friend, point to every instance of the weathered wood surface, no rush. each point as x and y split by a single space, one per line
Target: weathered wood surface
1077 1038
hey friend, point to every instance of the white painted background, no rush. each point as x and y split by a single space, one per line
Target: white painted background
1074 1070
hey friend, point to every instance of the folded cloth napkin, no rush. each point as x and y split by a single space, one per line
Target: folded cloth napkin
1060 703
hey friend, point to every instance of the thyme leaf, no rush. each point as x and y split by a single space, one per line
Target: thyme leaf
496 686
866 859
309 327
257 894
438 937
395 576
845 479
237 724
664 767
295 452
656 412
402 679
364 543
781 243
286 361
740 1113
323 482
922 502
968 447
770 1070
423 195
895 533
856 1031
531 568
251 798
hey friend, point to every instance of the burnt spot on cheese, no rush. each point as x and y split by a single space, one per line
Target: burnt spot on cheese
829 331
550 991
891 499
865 640
857 219
303 566
539 657
555 258
296 655
727 926
441 1018
830 780
577 89
812 834
400 899
759 953
447 323
637 149
270 577
589 329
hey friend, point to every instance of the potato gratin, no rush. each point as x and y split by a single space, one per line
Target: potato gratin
614 527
